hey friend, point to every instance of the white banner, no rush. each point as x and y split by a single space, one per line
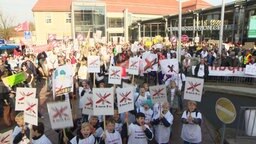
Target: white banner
226 71
114 76
60 114
150 62
87 104
103 101
6 138
31 111
169 66
134 64
158 93
93 64
125 100
250 70
21 94
193 89
62 80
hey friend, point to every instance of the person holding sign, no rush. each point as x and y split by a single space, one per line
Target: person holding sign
111 136
191 129
84 136
20 133
38 136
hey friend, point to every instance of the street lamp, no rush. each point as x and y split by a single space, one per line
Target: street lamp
221 27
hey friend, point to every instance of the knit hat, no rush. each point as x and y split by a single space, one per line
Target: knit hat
147 102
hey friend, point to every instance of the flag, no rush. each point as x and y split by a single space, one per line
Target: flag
22 27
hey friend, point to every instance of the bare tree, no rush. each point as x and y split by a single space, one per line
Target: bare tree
6 28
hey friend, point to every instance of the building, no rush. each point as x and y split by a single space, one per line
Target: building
113 17
205 23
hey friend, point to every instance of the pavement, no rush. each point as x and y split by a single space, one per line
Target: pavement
210 134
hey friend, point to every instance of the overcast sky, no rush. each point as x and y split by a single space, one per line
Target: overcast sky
20 10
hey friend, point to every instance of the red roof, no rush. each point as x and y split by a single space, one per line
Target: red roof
196 3
52 6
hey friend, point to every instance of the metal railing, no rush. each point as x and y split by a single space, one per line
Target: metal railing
234 81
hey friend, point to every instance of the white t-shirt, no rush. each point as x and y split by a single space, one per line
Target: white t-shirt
42 140
201 71
137 135
89 140
148 114
191 132
113 138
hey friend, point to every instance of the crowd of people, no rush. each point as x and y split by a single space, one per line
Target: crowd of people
148 122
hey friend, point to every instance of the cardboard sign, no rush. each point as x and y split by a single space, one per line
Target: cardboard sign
134 65
125 99
6 138
60 114
193 89
114 76
250 69
14 79
93 64
103 101
150 62
158 93
169 66
62 80
87 104
21 95
31 110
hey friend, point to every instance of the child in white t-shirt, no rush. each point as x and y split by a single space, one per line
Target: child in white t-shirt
85 135
111 136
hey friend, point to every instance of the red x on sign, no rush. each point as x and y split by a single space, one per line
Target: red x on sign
125 97
94 62
150 64
30 108
25 95
90 102
134 64
158 92
4 139
59 89
115 73
193 86
171 68
103 98
60 112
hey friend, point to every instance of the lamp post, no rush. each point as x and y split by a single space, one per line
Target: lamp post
180 21
222 24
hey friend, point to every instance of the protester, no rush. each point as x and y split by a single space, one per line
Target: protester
38 136
21 132
85 135
110 136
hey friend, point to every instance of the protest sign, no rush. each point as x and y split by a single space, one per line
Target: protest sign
14 79
250 69
150 62
6 138
158 93
103 101
87 104
60 115
193 89
125 100
21 95
114 76
169 66
93 64
31 110
134 64
52 60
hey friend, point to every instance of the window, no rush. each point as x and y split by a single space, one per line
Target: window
115 22
68 18
48 19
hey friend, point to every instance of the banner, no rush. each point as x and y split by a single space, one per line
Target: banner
14 79
114 76
125 100
103 101
226 71
6 138
93 64
169 66
150 62
21 95
87 104
31 110
134 64
250 69
62 80
158 93
193 89
60 115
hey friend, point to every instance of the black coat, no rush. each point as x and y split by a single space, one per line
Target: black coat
206 70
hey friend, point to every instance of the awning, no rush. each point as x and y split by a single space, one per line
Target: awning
6 47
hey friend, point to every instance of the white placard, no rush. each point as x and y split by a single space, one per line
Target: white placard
125 99
103 101
92 42
134 64
60 115
62 80
250 70
87 104
93 64
193 89
150 62
52 60
21 94
169 66
158 93
114 76
6 138
31 111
